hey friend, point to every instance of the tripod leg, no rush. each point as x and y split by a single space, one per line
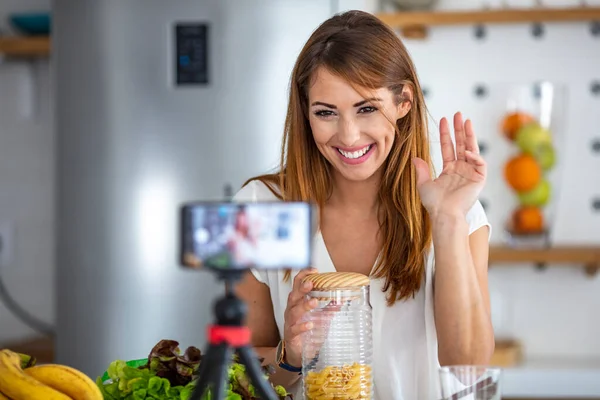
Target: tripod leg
220 371
263 387
203 370
204 374
209 366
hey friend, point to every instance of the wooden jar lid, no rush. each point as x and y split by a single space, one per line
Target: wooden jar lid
337 280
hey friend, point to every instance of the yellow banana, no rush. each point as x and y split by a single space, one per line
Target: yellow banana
18 386
3 397
67 380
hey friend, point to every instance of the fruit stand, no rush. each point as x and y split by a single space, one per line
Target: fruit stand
530 168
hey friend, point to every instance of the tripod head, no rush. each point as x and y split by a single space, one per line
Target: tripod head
230 310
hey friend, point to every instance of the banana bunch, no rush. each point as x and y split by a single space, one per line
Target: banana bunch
21 381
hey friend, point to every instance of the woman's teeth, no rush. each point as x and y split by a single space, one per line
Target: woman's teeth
355 154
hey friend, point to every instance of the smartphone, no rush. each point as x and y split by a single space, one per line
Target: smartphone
235 236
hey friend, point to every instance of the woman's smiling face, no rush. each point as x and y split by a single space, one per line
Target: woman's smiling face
352 132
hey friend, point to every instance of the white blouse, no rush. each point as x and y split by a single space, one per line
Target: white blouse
405 358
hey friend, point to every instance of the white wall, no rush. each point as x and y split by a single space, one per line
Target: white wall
27 180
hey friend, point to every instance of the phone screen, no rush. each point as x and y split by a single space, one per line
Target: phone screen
264 235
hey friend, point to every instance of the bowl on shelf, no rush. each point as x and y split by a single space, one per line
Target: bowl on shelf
31 23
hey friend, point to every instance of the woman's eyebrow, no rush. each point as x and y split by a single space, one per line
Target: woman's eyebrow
360 103
320 103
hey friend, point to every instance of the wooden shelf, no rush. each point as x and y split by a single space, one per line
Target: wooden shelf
42 348
25 47
415 24
585 256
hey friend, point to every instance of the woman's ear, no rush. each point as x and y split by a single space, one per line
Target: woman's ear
405 103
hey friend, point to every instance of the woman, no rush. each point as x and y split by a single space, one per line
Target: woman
356 144
242 243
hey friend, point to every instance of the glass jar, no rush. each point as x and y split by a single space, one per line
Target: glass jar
337 352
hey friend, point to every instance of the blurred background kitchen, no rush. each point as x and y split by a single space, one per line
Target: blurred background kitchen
108 122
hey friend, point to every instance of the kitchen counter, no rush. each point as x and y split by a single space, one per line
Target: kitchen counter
553 378
535 379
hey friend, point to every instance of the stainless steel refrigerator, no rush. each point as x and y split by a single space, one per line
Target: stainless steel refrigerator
157 103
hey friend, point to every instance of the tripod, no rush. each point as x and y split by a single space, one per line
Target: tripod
227 335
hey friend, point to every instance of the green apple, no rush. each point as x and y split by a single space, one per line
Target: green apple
545 155
538 196
531 136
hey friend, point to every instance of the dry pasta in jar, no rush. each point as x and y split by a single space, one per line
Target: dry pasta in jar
337 353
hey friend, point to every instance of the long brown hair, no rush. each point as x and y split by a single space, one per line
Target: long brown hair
358 47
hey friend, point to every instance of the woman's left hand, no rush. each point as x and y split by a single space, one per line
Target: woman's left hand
463 175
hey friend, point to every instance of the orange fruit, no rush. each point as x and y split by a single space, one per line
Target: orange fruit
513 122
527 220
522 172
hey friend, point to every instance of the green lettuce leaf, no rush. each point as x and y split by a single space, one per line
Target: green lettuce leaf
169 375
128 383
